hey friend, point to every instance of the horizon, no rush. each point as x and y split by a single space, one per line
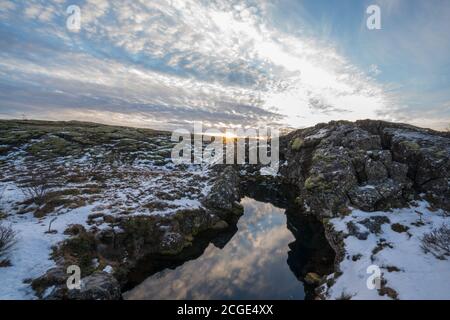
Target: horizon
282 130
167 64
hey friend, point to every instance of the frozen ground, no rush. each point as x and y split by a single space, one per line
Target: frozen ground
405 267
88 179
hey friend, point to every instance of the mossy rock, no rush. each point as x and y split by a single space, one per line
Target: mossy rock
410 145
313 278
317 183
297 144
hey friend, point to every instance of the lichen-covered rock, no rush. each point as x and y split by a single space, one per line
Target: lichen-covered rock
224 194
368 164
375 171
373 224
355 230
313 278
53 277
364 197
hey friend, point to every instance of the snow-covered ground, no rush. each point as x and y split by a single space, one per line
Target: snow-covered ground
30 257
133 190
404 265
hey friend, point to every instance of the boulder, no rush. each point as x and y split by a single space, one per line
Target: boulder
224 194
97 286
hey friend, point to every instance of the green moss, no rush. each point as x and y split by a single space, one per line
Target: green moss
79 250
297 144
409 145
53 146
139 231
317 182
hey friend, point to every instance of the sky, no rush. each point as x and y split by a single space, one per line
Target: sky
165 64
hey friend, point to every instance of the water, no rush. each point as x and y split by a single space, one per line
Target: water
262 260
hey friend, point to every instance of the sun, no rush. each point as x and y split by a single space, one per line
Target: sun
230 135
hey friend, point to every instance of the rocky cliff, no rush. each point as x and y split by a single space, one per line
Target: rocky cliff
370 165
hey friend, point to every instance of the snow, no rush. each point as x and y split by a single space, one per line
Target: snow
322 133
108 269
421 275
268 171
30 257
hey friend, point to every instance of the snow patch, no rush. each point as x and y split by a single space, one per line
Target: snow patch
407 269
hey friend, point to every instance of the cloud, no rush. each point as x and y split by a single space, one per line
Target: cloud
374 70
168 63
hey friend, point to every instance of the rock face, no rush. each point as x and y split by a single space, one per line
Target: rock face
370 165
224 195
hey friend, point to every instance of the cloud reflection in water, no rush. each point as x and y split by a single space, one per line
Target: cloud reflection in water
252 265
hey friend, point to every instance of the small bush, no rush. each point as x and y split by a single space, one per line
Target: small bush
7 240
37 188
437 242
79 250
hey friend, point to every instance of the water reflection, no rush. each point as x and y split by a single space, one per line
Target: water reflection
252 265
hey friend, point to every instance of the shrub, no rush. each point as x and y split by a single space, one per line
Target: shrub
37 188
7 240
79 250
437 242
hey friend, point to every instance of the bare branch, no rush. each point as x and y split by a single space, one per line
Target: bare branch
7 239
437 242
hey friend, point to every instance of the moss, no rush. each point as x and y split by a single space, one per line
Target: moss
317 182
409 145
318 157
80 250
140 231
298 201
313 278
297 144
310 183
53 146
